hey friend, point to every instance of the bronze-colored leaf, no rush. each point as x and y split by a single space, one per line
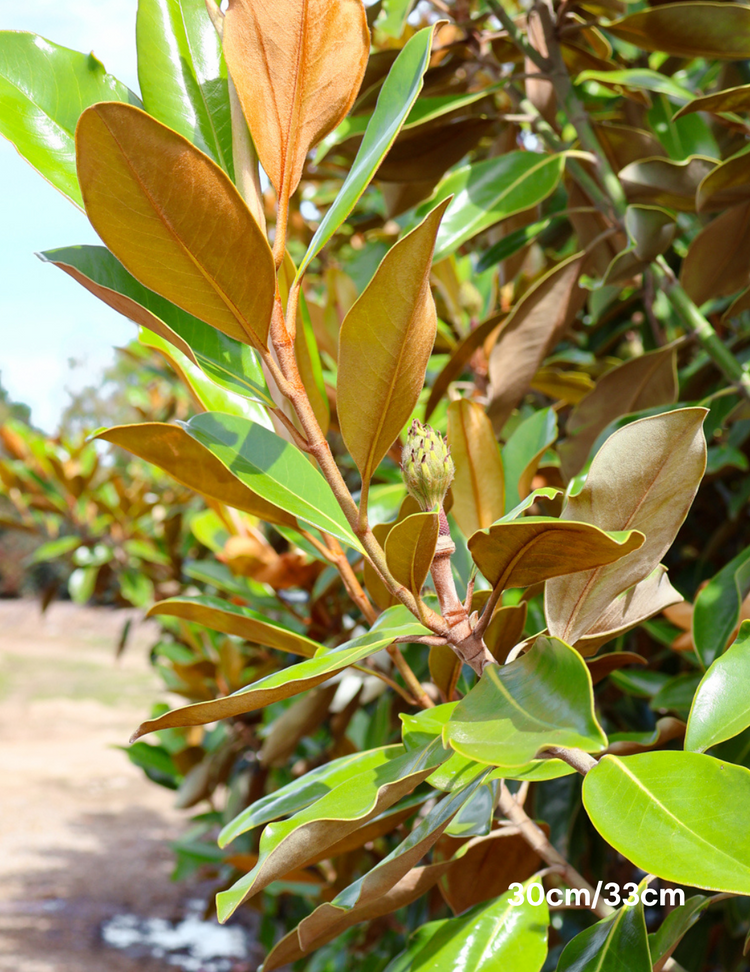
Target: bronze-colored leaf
301 719
523 552
651 229
600 668
297 66
730 99
445 667
643 382
623 144
739 304
663 182
692 29
667 729
175 220
327 923
505 630
460 359
384 346
717 263
479 484
531 330
183 458
485 867
375 586
726 185
643 478
641 602
410 548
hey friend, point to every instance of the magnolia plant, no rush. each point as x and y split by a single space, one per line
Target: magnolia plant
484 576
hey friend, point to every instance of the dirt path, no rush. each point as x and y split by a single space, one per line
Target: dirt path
83 835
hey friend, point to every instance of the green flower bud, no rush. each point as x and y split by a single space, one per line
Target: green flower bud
427 466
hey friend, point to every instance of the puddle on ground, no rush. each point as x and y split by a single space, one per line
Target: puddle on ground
193 944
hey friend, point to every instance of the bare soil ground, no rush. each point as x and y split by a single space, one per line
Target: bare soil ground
83 835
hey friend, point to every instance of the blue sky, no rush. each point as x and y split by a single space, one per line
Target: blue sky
46 319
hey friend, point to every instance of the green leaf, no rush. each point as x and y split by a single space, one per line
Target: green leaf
43 90
300 793
291 843
274 469
523 452
393 18
717 608
679 816
496 935
511 244
641 78
618 943
544 698
183 76
393 623
231 364
484 193
52 550
721 706
675 925
457 771
231 619
398 94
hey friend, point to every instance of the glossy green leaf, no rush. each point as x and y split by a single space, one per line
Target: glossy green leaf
183 76
291 843
533 549
484 193
496 935
398 94
544 698
393 623
231 364
458 771
694 29
43 90
300 793
675 925
511 244
523 452
655 809
721 707
274 469
717 608
393 17
642 78
232 619
618 943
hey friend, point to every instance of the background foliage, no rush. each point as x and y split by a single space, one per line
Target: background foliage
527 227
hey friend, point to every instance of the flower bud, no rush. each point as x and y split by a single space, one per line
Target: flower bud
427 466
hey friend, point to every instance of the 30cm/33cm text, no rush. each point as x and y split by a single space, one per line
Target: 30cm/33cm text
612 894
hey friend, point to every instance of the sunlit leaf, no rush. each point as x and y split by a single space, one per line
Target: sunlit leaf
721 707
523 452
182 74
717 608
410 548
297 66
666 831
43 90
175 220
603 947
544 698
291 681
384 346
